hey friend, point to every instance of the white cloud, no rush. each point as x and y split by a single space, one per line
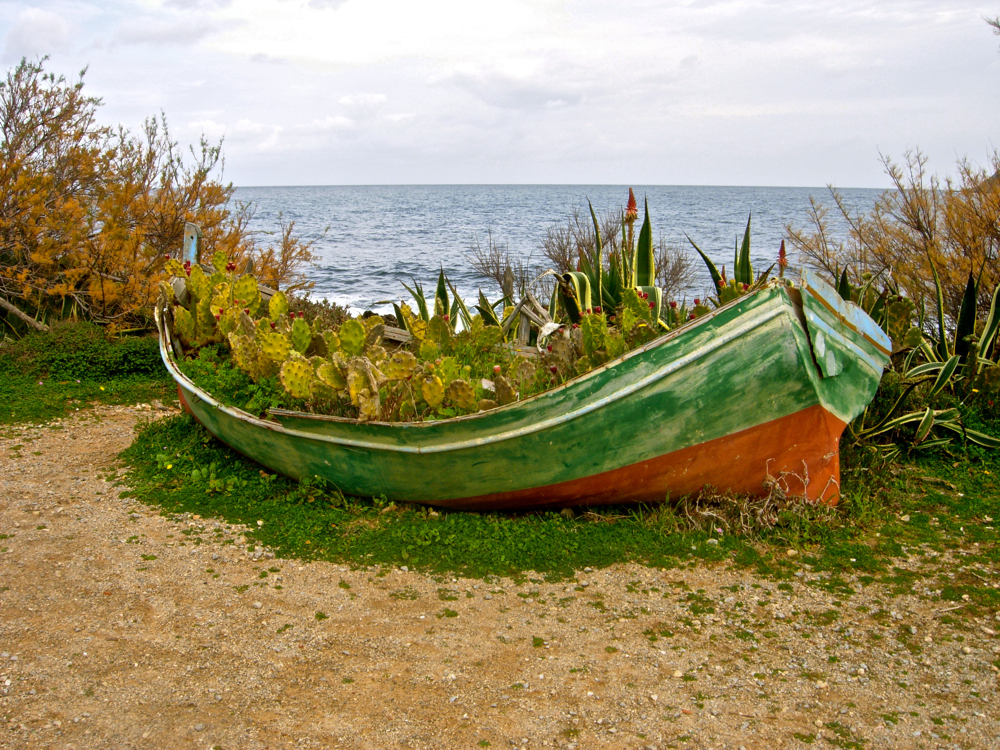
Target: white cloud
35 33
184 31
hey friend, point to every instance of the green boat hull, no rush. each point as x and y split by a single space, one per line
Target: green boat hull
729 400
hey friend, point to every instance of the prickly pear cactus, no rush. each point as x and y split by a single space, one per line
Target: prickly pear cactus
594 329
439 331
277 308
504 392
898 322
400 365
297 377
275 346
461 394
432 390
332 376
370 407
184 325
485 404
352 337
522 373
429 350
198 285
488 337
301 335
448 369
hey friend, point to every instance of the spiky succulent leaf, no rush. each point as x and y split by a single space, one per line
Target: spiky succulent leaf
991 325
645 261
712 270
944 376
442 305
966 325
743 270
574 288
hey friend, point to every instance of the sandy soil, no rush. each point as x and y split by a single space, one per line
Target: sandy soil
118 629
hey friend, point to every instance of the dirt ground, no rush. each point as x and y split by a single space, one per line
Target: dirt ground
122 628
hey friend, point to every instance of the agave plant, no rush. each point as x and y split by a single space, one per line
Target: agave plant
954 363
595 289
743 280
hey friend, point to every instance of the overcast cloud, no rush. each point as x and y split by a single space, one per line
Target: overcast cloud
780 92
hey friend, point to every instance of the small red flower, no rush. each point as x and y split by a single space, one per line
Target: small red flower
218 317
652 305
273 325
301 314
549 347
445 318
697 301
597 310
246 310
496 369
166 257
632 210
554 369
673 304
575 326
745 287
291 316
691 316
230 267
589 311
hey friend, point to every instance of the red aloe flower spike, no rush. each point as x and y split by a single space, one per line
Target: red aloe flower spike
782 260
632 210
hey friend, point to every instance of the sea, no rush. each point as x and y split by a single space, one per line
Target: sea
370 239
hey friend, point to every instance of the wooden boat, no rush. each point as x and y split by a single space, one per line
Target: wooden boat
762 387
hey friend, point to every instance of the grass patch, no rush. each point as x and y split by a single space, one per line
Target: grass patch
47 375
176 464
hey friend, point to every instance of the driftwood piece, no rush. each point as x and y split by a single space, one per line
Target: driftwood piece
23 316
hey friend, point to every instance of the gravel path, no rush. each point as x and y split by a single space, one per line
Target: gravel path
123 628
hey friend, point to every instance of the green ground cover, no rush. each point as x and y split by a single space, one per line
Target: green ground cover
48 375
921 505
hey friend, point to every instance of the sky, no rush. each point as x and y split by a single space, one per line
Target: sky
687 92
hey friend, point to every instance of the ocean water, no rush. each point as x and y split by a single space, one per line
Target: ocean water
371 238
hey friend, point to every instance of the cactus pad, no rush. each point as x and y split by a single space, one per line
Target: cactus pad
245 288
594 331
352 337
370 407
432 390
175 268
219 261
297 377
503 390
400 365
439 331
276 346
198 284
278 306
429 351
460 394
184 325
301 335
331 376
485 404
522 372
